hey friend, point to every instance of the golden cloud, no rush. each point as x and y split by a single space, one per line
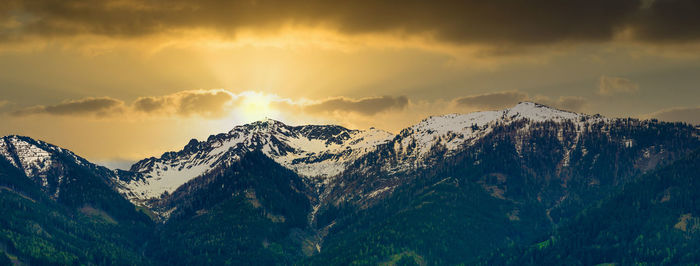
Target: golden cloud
488 101
208 103
616 85
364 106
205 103
97 106
569 103
505 99
214 103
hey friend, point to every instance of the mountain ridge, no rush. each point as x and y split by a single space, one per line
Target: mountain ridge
321 153
331 194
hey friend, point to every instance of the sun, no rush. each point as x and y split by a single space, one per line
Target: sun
256 106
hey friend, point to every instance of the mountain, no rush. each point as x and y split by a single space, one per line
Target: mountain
63 176
254 208
535 167
513 185
44 163
315 152
551 149
653 220
448 190
58 209
322 153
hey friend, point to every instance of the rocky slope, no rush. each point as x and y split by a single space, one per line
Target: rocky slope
315 152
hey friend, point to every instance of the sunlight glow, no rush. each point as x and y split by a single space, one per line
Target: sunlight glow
256 106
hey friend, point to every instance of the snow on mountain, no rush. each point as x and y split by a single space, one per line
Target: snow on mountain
314 151
25 156
38 160
320 152
454 131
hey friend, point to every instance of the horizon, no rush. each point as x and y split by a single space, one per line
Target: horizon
125 164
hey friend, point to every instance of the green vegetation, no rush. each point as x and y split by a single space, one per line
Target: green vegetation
261 224
404 258
443 223
5 259
232 233
41 231
652 221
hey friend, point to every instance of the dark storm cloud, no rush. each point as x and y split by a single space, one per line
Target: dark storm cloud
500 23
668 21
101 106
364 106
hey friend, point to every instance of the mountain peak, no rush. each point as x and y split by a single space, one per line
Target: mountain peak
527 104
30 155
268 120
23 153
41 162
539 112
534 106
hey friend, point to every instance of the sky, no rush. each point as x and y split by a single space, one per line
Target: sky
120 80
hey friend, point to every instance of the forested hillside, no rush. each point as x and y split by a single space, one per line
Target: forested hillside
38 230
655 220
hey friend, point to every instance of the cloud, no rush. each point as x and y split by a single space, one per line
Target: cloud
678 114
615 85
206 103
668 21
506 99
506 22
569 103
214 103
218 103
210 103
364 106
490 101
97 106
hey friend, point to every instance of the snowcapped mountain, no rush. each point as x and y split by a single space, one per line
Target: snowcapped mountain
456 130
316 152
330 192
44 163
453 132
329 158
322 152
